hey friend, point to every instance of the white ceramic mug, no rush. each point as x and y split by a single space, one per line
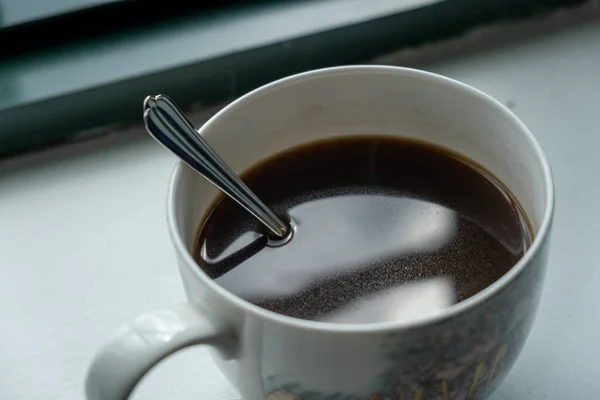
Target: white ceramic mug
461 353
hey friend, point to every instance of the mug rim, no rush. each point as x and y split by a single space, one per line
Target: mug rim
450 312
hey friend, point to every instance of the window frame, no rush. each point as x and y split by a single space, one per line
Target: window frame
78 105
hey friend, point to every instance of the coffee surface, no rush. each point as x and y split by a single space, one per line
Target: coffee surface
386 229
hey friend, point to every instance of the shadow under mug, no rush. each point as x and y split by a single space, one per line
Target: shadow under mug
461 353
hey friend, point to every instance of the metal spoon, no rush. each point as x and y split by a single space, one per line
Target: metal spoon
166 123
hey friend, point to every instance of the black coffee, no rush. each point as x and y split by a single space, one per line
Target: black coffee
387 229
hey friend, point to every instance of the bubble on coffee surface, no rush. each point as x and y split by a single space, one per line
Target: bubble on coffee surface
391 235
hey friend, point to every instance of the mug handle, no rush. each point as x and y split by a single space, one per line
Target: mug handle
141 344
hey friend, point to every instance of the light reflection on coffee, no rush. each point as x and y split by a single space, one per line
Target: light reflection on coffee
400 303
371 229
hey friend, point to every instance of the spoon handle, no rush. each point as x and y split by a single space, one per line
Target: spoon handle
169 126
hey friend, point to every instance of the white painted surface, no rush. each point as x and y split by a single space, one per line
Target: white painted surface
80 225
